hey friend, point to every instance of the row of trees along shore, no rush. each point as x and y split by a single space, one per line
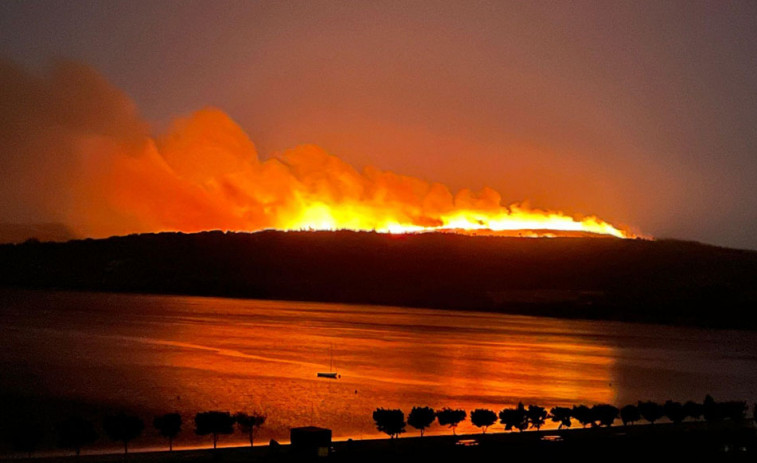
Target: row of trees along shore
76 432
392 421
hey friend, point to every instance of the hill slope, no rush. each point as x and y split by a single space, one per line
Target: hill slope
658 281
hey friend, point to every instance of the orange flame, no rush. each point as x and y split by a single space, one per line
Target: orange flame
211 178
82 157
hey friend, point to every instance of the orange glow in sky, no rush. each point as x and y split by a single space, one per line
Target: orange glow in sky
92 163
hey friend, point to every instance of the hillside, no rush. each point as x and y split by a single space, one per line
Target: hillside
635 280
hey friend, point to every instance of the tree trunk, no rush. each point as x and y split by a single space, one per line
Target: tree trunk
215 440
250 437
170 444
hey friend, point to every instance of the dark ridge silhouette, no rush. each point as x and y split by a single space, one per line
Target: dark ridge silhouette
18 233
633 280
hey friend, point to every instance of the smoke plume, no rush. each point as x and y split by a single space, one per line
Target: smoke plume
74 151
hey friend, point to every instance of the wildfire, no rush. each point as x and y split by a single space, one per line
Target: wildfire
92 164
512 221
210 174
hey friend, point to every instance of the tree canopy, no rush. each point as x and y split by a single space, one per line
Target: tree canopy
76 432
651 411
214 423
604 414
450 417
483 418
629 414
169 426
123 428
561 415
514 418
421 418
389 421
248 423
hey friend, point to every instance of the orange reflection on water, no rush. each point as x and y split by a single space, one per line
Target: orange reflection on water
266 355
154 354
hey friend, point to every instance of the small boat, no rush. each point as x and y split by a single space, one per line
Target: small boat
331 374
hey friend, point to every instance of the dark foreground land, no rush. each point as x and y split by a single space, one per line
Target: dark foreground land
660 442
631 280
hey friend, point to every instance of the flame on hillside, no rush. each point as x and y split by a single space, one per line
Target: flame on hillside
84 158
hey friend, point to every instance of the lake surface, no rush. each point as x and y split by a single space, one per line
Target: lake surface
158 354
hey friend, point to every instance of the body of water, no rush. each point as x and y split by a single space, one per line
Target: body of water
157 354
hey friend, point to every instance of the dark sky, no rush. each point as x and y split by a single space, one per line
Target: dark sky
642 112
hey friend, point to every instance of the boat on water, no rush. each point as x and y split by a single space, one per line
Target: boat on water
331 374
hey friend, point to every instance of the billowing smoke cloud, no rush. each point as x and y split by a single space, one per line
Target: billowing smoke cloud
74 151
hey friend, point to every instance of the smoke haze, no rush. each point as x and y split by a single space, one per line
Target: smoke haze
77 153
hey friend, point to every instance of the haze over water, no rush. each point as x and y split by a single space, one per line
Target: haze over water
156 354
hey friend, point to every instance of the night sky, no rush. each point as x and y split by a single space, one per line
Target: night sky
643 113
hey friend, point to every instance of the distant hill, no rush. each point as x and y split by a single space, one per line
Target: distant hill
634 280
16 233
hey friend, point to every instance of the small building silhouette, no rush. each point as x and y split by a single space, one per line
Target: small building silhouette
311 440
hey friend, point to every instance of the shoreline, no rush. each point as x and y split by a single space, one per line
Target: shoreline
650 441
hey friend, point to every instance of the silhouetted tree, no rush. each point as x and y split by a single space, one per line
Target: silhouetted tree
629 414
651 411
536 416
389 421
421 418
604 414
169 426
214 423
674 411
483 418
582 414
514 418
693 410
248 423
734 410
76 432
123 428
25 435
451 417
711 411
561 415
